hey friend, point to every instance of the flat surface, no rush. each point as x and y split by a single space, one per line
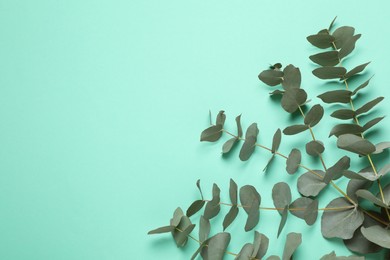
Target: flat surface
102 104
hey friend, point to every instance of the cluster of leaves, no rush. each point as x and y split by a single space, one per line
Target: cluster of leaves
363 230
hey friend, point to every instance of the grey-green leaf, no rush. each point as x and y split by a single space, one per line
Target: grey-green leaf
185 228
328 58
283 220
247 148
377 235
281 195
273 257
354 185
195 207
343 114
315 148
239 127
252 131
293 240
329 72
251 199
216 247
271 77
321 40
260 243
292 99
233 192
332 256
314 116
291 77
368 106
310 184
342 35
228 145
160 230
311 212
372 122
230 217
212 207
204 229
336 96
211 134
276 140
355 144
342 129
336 171
293 161
365 194
295 129
298 207
221 117
356 70
340 223
245 252
349 46
361 86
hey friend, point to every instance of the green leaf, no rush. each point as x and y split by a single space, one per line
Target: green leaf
336 96
372 122
343 114
230 217
311 212
212 207
180 234
377 235
276 140
177 215
281 195
250 199
301 203
368 174
271 77
321 40
292 77
295 129
216 247
336 171
239 128
342 35
353 175
356 70
342 129
331 24
332 256
195 207
368 106
314 148
249 145
329 72
292 99
340 223
204 229
380 147
161 230
314 116
221 117
211 134
349 46
310 184
361 86
355 144
228 145
365 194
245 252
233 192
355 185
283 220
293 161
293 240
328 58
260 243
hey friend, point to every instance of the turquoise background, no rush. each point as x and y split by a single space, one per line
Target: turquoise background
102 104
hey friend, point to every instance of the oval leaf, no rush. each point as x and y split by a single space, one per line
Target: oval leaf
349 46
336 96
211 134
314 115
293 161
328 58
377 235
293 240
271 77
342 129
295 129
343 114
328 72
310 184
321 40
315 148
281 195
292 77
292 99
355 144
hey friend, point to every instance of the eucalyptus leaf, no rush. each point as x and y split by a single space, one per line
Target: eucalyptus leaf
355 185
245 252
353 175
293 161
281 195
221 117
380 147
239 128
230 217
336 96
329 72
292 77
365 84
372 122
260 243
293 240
276 140
233 192
228 145
368 174
292 99
250 199
212 207
342 129
311 212
211 134
204 229
343 114
365 194
356 70
340 223
283 220
195 207
349 46
161 230
342 35
321 40
384 170
377 235
295 129
298 207
177 215
315 148
314 116
368 106
310 184
216 247
331 24
181 232
249 145
273 257
271 77
328 58
332 256
355 144
336 171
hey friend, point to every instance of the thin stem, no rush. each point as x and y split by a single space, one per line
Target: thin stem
300 165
